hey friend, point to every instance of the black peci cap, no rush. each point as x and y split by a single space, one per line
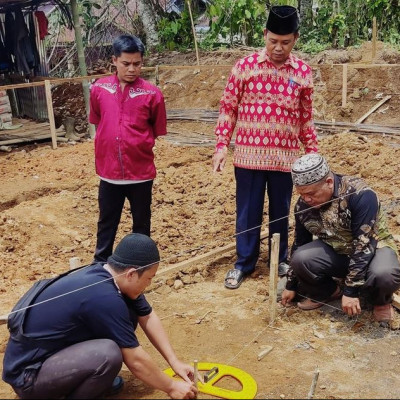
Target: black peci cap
283 20
135 249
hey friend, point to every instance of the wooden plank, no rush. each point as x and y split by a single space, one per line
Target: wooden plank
77 79
375 107
50 113
203 257
273 277
25 128
31 138
21 85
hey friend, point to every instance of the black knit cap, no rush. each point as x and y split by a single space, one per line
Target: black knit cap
283 20
135 249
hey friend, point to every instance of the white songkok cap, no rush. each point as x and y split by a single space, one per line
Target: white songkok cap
309 169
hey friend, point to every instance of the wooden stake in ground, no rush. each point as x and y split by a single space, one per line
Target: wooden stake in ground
50 113
194 32
313 384
273 276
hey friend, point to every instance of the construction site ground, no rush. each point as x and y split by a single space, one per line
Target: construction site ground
49 211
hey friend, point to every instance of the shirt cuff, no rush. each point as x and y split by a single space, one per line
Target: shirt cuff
220 147
351 291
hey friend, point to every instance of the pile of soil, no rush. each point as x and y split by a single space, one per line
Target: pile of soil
49 214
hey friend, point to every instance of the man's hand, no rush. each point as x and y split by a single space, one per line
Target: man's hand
219 159
351 305
185 371
287 297
182 390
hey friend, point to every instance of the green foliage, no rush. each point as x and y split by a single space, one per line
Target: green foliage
237 20
176 32
337 28
312 46
341 23
88 18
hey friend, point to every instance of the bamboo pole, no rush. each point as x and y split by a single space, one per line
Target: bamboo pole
194 32
373 55
273 277
50 112
81 60
344 86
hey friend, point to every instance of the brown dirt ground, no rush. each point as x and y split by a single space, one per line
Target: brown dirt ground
48 205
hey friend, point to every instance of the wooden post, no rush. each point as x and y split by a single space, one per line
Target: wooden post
49 100
194 32
273 276
81 60
373 55
313 384
344 86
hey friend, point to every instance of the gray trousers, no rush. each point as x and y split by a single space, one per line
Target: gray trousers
81 371
316 263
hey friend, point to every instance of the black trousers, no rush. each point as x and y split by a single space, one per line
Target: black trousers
82 371
316 263
111 202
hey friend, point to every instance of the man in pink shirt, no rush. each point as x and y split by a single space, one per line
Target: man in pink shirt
129 114
268 99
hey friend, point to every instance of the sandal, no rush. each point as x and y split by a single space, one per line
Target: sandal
235 274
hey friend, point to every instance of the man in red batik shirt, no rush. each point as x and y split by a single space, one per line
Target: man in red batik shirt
268 99
129 114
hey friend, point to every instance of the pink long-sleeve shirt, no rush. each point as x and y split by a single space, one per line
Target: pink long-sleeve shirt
271 109
128 124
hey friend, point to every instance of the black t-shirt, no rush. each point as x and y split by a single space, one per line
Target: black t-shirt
90 306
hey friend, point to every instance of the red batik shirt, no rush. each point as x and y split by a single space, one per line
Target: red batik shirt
272 110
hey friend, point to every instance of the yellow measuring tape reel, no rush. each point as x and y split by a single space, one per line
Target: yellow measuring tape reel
215 372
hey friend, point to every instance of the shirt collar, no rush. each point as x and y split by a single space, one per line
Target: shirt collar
108 269
336 183
264 57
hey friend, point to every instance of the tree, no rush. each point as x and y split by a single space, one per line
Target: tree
306 14
151 13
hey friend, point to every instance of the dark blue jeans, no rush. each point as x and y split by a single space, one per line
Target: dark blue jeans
251 186
111 202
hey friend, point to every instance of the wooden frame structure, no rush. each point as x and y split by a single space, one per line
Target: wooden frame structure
47 83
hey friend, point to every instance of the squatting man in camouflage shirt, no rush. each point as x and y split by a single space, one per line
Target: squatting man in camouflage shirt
352 241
